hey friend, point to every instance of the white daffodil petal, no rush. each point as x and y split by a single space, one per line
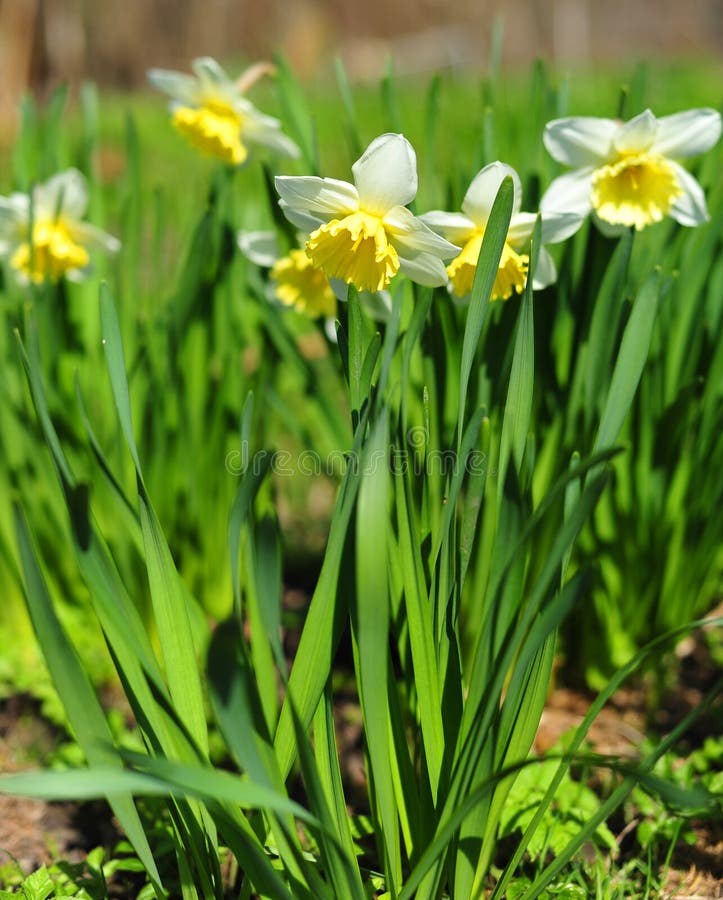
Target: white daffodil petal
606 228
425 269
560 226
91 236
13 216
326 197
64 193
481 194
210 73
409 232
261 247
378 304
252 117
330 329
456 227
687 133
521 227
340 289
579 140
545 272
690 208
304 221
386 174
177 85
269 134
569 193
637 134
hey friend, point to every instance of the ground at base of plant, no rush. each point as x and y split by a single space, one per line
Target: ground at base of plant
60 836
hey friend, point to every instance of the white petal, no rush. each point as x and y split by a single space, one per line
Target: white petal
411 234
261 247
14 216
545 272
386 174
688 133
637 134
607 228
425 269
177 85
210 73
690 209
569 193
481 194
579 140
456 227
558 227
266 132
304 221
330 329
91 236
378 304
64 193
325 197
521 227
252 117
340 288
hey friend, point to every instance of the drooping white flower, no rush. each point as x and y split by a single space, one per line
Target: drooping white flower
467 228
211 111
58 243
626 173
362 233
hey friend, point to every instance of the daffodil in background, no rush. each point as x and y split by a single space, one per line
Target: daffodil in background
211 111
362 233
295 282
42 234
626 173
467 229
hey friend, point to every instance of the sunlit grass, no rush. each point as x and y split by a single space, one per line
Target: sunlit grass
139 423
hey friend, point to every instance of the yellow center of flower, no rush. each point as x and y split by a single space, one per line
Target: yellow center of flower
637 189
511 274
215 129
301 285
355 249
52 254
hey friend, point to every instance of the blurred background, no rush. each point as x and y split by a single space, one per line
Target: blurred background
113 42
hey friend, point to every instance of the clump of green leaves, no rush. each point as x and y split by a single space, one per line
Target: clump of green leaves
451 580
574 804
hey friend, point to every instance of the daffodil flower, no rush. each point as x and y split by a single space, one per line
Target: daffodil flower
295 282
626 173
362 233
211 111
467 228
43 235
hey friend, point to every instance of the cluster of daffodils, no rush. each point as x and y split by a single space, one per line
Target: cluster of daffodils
43 235
295 282
362 233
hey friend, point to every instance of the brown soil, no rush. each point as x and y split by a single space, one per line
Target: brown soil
33 832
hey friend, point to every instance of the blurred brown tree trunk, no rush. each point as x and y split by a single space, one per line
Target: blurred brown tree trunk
21 39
